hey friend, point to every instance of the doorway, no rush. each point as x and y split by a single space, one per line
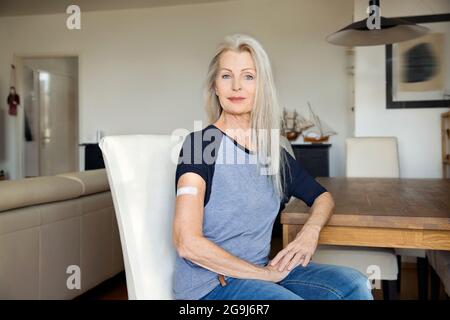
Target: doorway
50 117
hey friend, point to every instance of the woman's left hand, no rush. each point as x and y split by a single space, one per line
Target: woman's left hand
299 251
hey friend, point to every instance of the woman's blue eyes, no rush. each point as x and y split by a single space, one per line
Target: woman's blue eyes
247 76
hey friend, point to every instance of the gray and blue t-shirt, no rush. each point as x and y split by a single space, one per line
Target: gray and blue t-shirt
240 204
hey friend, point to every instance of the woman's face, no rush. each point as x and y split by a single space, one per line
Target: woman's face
236 82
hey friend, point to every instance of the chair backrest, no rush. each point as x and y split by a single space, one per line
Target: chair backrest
141 175
372 157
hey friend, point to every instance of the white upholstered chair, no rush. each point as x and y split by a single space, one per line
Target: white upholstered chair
372 157
368 157
378 157
141 174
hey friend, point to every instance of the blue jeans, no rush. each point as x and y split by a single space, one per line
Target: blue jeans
313 282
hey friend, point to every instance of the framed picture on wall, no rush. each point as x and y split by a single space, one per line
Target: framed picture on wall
418 70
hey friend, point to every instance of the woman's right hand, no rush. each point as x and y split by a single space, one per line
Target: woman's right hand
274 275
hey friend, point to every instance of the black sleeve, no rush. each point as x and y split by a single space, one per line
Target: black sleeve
190 159
299 183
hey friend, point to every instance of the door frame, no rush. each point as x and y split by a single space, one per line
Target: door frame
20 118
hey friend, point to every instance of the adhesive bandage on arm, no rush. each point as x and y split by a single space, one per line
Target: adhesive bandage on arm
187 190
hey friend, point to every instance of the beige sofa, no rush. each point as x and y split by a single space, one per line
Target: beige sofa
50 223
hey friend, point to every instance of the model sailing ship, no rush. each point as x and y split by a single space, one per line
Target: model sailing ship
313 130
320 132
294 124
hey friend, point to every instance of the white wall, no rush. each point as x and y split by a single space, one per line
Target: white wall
417 130
141 70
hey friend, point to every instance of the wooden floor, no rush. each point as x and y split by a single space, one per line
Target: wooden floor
115 288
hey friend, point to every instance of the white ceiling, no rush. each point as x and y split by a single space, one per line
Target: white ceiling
32 7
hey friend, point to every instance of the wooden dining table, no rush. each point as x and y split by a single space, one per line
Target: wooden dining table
379 212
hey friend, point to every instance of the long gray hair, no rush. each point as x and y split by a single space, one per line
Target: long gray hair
266 115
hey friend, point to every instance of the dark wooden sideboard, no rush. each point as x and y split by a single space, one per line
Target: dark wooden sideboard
93 158
314 158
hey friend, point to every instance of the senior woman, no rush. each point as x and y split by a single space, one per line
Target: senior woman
232 178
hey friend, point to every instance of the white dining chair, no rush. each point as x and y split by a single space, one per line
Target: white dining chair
368 157
141 175
378 157
373 157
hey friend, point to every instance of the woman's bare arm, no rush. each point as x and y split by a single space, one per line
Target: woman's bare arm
302 248
192 245
321 211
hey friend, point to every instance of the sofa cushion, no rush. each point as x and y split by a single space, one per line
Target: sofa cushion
92 181
32 191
